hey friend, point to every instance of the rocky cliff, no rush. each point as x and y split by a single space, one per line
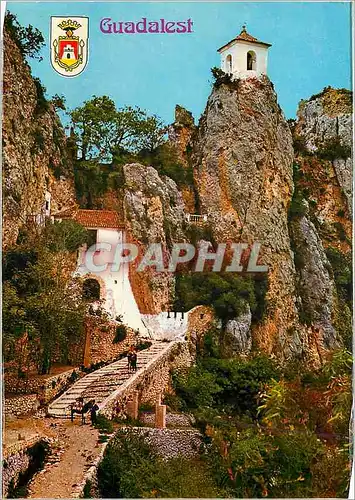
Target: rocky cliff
288 188
243 172
35 156
181 136
255 176
323 139
154 213
321 227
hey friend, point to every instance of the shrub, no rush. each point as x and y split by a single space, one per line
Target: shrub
121 334
29 40
167 162
220 77
38 141
340 230
252 464
196 233
224 383
87 489
73 377
65 236
132 469
298 206
104 425
342 270
145 344
333 149
226 293
299 145
42 104
339 364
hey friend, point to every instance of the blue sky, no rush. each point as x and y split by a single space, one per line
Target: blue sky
311 46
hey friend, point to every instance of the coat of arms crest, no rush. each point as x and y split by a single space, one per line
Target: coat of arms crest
69 44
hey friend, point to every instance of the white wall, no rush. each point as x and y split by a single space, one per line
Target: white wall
119 296
239 51
167 328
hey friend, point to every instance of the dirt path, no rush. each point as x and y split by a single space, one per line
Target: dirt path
75 448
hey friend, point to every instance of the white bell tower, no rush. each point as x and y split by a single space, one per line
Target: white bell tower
245 56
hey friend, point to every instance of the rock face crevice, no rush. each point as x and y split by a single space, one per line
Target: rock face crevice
35 154
154 213
316 297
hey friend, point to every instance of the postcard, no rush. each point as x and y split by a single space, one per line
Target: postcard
177 249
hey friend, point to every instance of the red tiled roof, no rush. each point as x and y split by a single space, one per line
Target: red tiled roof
93 218
244 36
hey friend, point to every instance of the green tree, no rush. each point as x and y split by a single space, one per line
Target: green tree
55 306
42 303
102 129
227 293
151 134
58 101
65 236
29 40
90 183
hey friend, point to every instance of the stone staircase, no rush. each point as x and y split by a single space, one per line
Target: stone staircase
103 383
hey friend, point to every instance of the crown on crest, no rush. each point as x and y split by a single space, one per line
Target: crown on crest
69 25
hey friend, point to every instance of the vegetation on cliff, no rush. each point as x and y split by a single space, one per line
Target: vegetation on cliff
141 473
227 293
28 39
43 307
267 432
107 137
270 432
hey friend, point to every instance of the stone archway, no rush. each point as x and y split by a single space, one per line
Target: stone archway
97 284
91 290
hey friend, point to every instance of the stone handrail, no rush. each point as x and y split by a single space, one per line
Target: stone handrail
132 380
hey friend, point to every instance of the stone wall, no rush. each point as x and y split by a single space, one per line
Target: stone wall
201 319
21 405
47 387
171 443
17 460
173 420
99 345
153 381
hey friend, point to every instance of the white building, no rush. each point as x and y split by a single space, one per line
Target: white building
244 56
110 288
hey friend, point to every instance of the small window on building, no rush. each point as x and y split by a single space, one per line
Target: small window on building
229 64
47 205
251 61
